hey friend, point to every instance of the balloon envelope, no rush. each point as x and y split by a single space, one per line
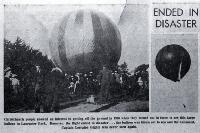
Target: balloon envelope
85 40
173 62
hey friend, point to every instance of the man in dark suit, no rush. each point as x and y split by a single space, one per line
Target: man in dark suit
105 80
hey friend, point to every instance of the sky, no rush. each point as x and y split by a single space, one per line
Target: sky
35 23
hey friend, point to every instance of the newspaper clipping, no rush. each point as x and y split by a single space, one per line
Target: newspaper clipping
117 66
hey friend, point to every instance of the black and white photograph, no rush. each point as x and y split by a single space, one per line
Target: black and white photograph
90 58
174 73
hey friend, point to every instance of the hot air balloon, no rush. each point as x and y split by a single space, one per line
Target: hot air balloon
173 62
85 40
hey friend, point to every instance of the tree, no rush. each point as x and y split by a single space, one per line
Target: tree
123 68
22 59
142 73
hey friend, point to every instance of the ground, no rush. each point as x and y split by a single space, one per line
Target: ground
131 106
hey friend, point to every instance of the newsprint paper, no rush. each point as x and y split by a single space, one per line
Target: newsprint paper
99 66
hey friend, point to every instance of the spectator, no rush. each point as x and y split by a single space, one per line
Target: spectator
106 79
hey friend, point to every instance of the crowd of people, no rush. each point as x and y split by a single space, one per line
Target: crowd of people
33 82
104 86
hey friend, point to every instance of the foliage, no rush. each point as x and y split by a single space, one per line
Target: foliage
141 71
23 59
123 69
